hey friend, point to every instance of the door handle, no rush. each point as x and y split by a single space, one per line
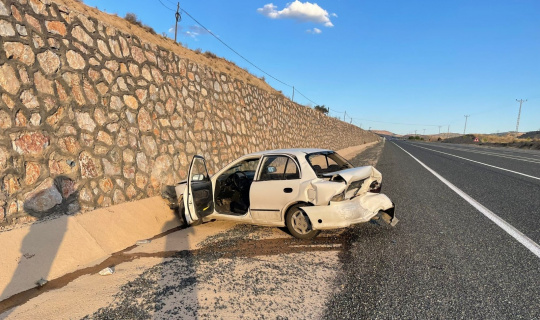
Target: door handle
287 190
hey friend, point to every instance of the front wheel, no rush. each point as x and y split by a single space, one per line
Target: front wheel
298 223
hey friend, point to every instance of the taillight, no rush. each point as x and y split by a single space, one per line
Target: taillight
375 187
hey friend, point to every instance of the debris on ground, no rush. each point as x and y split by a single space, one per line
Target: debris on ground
41 282
139 242
107 271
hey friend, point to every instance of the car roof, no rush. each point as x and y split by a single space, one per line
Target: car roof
296 152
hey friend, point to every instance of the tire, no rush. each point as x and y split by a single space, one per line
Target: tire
298 223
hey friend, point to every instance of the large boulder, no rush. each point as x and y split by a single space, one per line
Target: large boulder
45 197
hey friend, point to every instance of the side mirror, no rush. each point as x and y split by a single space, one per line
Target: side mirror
271 169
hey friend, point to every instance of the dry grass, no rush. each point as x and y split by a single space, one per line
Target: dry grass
488 138
209 54
497 141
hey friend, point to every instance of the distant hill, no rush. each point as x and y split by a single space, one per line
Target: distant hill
507 133
385 133
535 135
434 137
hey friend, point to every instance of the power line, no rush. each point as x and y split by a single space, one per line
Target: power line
397 123
237 53
241 56
306 97
296 90
166 6
334 110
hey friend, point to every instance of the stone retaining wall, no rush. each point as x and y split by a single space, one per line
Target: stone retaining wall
91 116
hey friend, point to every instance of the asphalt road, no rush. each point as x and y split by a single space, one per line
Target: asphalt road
446 259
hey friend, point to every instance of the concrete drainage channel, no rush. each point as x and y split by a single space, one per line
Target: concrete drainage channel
45 286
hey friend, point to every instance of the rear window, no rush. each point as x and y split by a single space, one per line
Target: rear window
327 162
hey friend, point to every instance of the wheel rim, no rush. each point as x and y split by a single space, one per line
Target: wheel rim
300 222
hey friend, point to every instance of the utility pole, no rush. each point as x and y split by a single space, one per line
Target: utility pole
448 133
440 131
424 132
466 118
519 113
178 18
345 115
293 96
415 133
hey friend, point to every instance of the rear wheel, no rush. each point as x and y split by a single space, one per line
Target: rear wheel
299 224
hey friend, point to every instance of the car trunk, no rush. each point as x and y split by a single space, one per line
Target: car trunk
358 180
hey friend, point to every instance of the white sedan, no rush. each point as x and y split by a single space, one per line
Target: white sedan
306 190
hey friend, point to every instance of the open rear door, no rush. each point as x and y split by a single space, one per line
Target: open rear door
200 198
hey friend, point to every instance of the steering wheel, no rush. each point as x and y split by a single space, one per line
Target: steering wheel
240 179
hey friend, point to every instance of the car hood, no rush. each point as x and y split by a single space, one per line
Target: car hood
355 174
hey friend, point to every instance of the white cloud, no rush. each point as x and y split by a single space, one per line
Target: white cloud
269 10
197 30
192 31
334 15
191 34
300 11
314 31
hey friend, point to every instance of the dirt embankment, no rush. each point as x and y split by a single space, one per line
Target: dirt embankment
497 141
217 63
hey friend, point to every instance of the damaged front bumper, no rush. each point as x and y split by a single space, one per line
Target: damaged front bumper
342 214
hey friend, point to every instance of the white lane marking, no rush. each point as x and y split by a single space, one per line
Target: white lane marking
502 155
485 164
513 157
515 233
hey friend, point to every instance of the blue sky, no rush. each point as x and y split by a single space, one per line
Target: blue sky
390 64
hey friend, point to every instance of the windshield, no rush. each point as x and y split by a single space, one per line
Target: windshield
327 162
247 166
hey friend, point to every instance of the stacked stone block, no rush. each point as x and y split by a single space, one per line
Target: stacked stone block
91 116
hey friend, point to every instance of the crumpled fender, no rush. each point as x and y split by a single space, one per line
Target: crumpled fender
376 201
341 214
324 191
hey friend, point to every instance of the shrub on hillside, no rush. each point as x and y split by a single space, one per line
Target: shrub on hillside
149 29
209 54
322 109
133 19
